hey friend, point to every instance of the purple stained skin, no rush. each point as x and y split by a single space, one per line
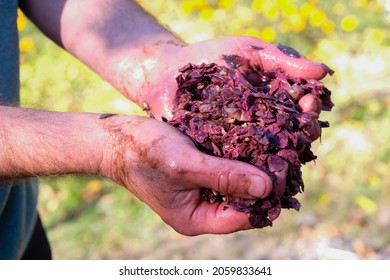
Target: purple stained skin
255 47
289 51
243 113
105 116
233 61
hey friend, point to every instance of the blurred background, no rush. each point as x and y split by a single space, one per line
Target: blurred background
345 210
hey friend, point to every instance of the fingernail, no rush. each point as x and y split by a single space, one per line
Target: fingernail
258 187
289 51
255 47
327 69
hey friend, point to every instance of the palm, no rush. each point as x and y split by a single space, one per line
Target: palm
164 169
161 86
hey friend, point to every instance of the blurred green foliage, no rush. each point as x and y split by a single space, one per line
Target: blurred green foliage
347 191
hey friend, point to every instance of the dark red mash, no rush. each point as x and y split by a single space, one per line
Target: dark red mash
242 113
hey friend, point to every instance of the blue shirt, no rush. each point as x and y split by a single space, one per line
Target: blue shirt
18 198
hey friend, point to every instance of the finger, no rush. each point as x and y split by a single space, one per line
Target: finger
229 177
310 103
216 218
272 57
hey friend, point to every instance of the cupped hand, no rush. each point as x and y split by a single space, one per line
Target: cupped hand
153 76
165 170
162 167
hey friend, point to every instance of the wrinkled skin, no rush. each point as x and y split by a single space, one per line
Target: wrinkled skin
167 171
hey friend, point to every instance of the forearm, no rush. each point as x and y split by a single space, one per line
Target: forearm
110 36
40 143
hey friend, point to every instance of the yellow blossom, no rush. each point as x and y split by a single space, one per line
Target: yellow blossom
375 36
21 22
257 5
327 26
272 13
268 34
282 3
349 23
206 13
288 9
253 32
367 204
317 17
199 4
26 44
226 4
306 9
268 8
297 22
186 7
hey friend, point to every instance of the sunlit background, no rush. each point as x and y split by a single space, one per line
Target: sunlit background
346 204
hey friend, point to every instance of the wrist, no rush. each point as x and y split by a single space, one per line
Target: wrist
120 40
120 145
42 143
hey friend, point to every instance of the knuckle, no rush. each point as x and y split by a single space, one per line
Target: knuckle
229 180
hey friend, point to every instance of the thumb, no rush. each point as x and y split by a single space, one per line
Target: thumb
229 177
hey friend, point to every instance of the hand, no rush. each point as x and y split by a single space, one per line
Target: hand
165 170
155 83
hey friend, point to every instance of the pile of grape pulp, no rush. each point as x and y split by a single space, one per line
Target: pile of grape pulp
241 112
